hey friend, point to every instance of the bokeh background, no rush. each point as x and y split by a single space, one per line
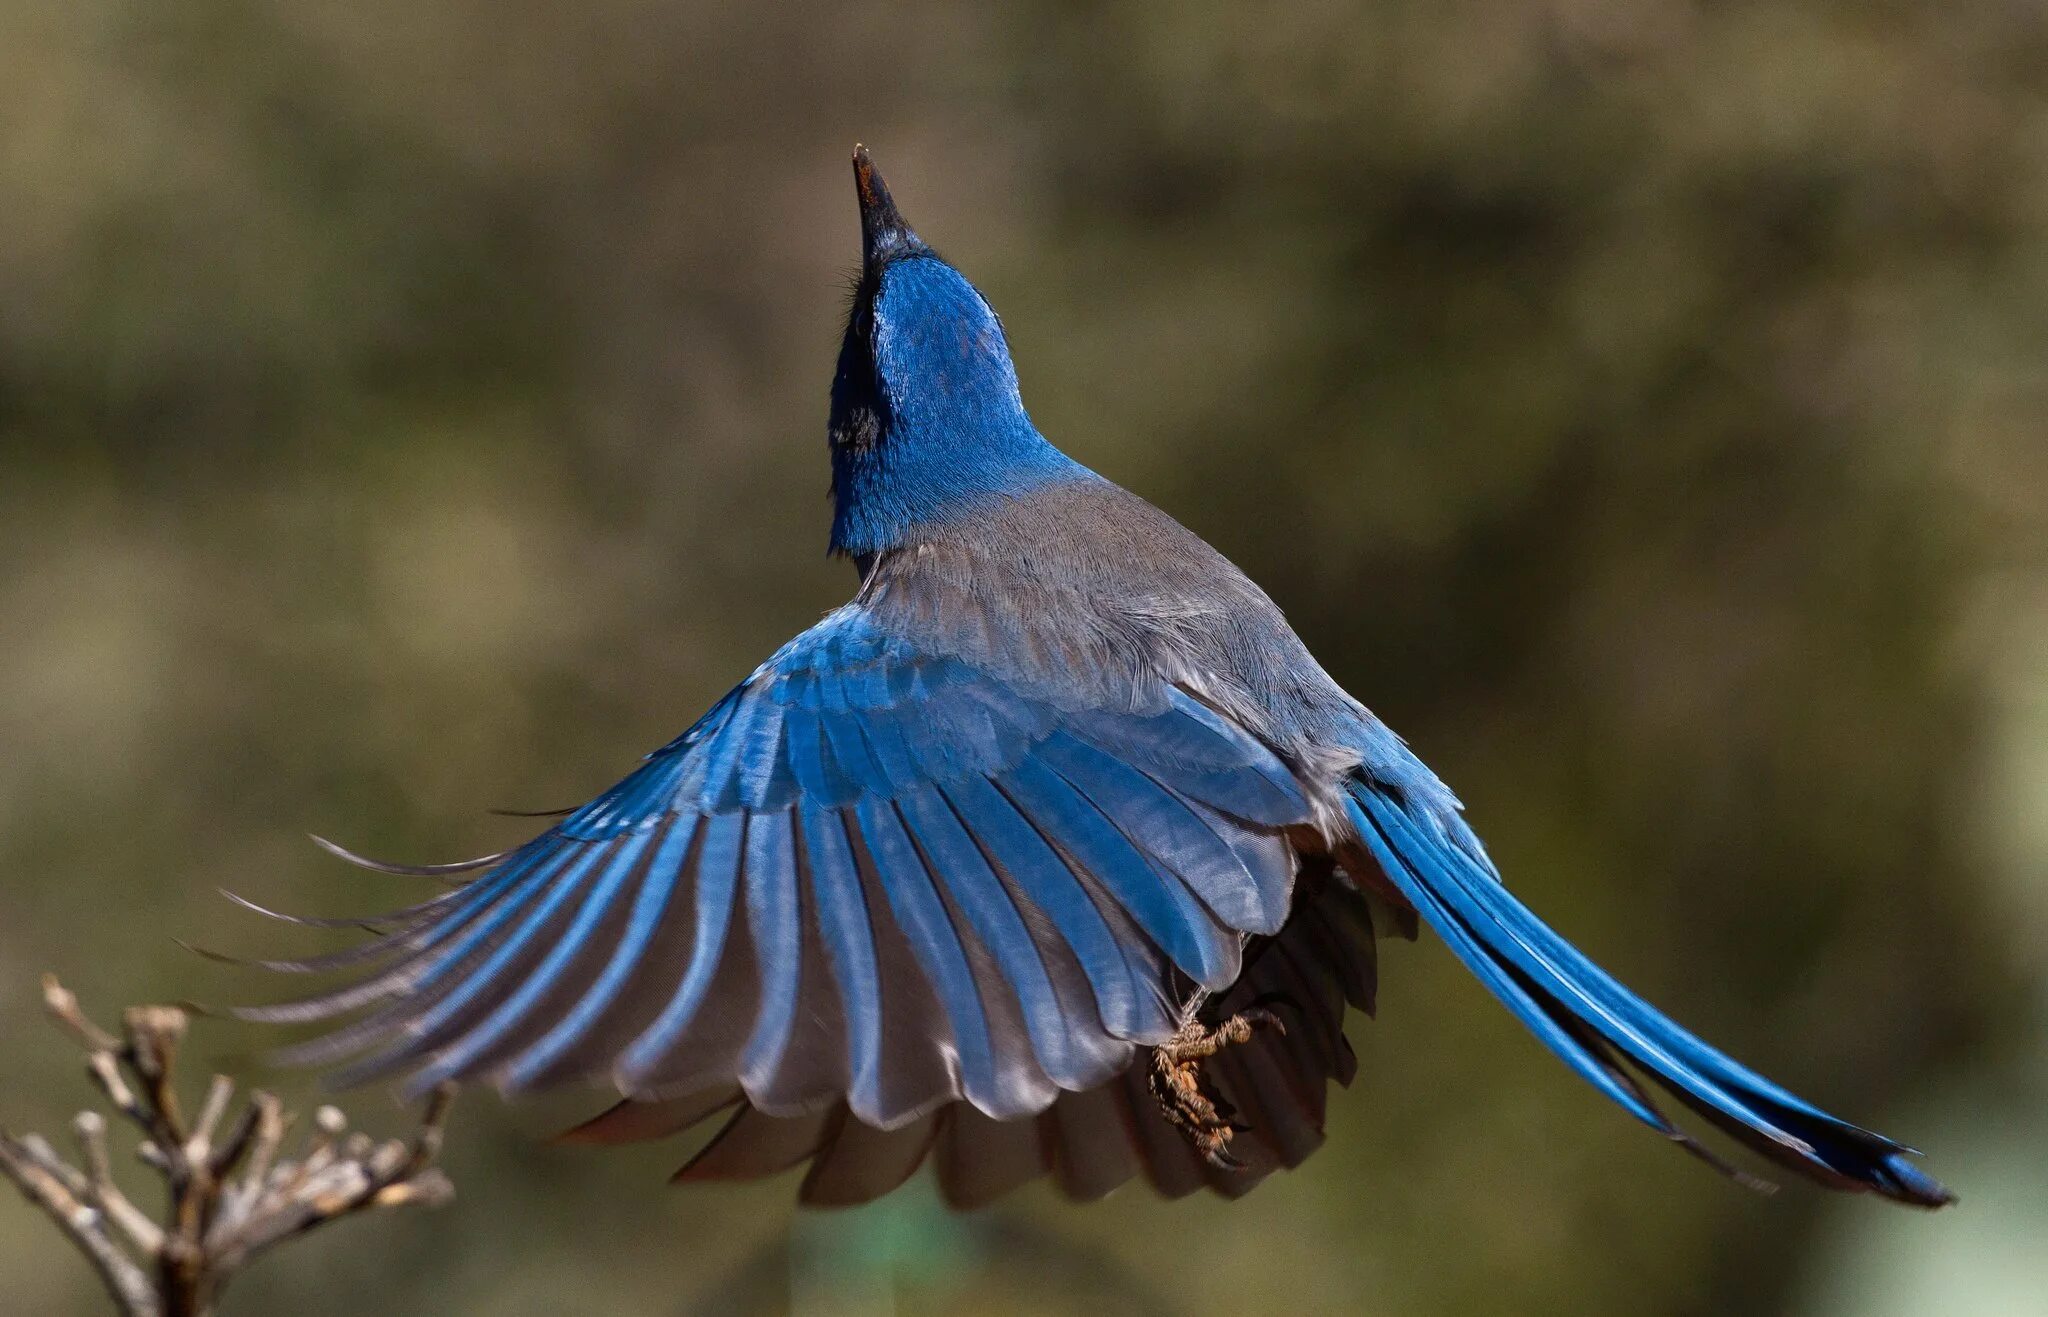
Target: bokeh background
411 408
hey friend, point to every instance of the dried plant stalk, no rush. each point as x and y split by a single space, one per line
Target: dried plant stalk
233 1193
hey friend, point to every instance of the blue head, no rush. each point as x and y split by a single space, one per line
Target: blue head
927 423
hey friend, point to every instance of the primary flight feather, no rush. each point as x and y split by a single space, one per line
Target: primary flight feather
1052 852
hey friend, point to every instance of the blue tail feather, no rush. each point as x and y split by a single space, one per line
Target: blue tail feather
1593 1023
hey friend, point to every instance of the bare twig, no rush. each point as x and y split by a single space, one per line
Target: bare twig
144 1233
231 1197
59 1001
53 1191
218 1094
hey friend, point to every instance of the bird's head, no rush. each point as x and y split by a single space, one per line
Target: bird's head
926 416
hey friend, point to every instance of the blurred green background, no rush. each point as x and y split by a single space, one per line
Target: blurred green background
409 408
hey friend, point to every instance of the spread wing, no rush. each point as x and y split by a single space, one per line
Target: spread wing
1089 1142
870 874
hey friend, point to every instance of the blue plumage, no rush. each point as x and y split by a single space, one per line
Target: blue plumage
905 453
1057 788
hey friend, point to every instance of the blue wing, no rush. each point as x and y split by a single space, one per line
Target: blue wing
1088 1143
869 874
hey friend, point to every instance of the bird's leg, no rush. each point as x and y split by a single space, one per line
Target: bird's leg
1176 1078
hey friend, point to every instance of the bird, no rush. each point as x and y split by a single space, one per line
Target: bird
1052 853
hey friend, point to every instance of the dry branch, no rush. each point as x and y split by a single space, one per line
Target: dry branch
232 1194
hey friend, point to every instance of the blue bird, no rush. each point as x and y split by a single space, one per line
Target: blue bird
1054 852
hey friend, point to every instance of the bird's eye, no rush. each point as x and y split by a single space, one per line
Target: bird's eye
859 403
857 429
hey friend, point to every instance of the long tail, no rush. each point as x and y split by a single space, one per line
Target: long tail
1591 1021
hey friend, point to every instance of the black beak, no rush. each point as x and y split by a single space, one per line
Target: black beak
883 234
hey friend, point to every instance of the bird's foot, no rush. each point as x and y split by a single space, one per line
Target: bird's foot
1176 1079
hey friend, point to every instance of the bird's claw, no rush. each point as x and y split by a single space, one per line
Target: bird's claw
1176 1080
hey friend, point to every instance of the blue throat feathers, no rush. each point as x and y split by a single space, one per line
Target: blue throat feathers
927 421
